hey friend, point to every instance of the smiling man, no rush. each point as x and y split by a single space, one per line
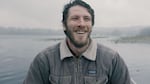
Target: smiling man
78 59
78 28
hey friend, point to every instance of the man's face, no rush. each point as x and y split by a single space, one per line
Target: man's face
79 26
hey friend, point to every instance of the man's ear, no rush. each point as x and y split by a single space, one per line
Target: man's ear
64 27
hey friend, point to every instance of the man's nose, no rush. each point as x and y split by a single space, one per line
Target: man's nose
82 22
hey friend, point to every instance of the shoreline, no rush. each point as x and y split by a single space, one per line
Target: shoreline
133 39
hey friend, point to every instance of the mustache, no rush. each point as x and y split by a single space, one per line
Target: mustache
81 30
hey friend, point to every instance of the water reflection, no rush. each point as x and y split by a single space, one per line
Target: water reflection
17 52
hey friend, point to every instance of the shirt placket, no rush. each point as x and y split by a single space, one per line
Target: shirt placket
77 71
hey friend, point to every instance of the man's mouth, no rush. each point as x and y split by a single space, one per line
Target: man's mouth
80 31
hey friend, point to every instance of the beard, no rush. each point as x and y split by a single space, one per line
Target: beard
76 43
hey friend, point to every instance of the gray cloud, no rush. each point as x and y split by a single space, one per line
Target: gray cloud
47 13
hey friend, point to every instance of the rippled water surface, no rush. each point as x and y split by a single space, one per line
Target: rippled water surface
17 52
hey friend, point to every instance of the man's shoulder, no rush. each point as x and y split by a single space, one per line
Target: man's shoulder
49 51
51 48
105 51
105 48
106 55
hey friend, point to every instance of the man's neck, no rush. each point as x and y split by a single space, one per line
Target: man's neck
75 50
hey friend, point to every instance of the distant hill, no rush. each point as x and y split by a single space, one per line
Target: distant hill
27 31
145 32
97 31
117 31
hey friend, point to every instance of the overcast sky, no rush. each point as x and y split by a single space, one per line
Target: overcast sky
47 13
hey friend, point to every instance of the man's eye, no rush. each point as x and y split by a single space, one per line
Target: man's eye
87 19
74 18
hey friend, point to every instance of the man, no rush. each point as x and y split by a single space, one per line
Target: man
78 59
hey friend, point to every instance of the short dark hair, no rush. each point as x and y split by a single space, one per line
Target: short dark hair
74 3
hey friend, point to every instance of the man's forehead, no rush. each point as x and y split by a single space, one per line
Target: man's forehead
78 10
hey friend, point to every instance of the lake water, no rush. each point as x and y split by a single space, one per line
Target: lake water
17 52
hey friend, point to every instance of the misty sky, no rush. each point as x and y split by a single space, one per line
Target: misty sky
47 13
